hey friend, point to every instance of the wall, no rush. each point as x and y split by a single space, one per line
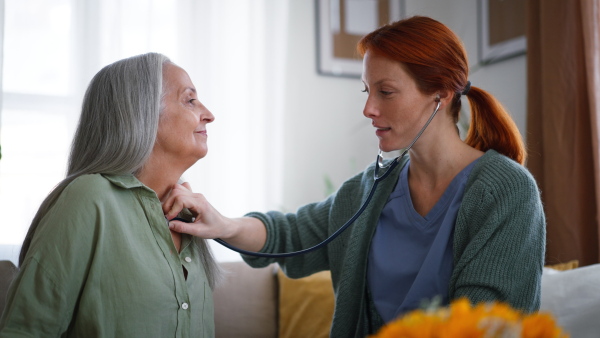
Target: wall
325 131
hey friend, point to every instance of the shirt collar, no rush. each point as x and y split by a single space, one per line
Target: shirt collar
127 181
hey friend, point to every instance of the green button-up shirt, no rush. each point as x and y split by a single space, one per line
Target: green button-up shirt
102 263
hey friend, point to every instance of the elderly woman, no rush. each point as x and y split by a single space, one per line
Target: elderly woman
99 259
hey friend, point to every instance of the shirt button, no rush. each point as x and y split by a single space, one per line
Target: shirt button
185 306
187 259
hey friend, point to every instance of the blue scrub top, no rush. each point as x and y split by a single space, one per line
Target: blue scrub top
410 259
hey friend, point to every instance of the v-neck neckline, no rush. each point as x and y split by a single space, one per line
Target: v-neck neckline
440 205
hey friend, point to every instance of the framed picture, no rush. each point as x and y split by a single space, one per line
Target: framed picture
341 24
502 29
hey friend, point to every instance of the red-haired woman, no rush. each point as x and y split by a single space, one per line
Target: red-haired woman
454 219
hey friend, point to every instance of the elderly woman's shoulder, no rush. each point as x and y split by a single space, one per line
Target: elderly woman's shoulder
89 181
89 186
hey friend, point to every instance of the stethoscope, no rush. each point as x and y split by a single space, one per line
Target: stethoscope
377 178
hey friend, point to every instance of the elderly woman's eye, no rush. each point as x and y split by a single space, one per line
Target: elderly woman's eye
192 101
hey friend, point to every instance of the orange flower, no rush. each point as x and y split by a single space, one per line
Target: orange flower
461 319
541 325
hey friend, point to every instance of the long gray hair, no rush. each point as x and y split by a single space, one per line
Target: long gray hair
117 131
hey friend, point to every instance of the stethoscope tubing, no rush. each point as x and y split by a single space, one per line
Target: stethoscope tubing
328 239
377 179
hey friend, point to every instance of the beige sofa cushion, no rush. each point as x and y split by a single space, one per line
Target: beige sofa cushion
246 302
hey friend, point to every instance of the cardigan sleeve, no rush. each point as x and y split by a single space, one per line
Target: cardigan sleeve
310 225
499 241
289 232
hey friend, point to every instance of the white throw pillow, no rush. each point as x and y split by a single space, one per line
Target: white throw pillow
573 297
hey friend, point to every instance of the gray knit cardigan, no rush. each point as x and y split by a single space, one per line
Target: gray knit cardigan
499 241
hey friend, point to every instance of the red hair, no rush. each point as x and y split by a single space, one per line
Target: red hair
436 59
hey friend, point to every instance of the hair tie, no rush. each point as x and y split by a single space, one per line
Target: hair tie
467 88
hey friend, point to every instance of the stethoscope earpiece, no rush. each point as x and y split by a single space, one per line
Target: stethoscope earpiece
437 98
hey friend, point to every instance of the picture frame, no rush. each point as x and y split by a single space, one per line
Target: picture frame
341 24
502 28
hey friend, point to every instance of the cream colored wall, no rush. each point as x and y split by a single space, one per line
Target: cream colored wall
325 131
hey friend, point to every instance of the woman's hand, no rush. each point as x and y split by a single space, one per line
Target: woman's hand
246 232
208 222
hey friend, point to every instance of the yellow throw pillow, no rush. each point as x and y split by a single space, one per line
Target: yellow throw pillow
564 266
305 305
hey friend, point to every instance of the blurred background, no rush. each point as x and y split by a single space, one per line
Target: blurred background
285 134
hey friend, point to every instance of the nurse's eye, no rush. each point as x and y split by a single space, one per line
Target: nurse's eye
365 90
385 93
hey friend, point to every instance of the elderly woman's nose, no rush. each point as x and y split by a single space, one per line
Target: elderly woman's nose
207 116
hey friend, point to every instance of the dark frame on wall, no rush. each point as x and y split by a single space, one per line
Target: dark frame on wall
501 30
341 24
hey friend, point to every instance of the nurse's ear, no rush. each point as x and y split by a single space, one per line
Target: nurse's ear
443 97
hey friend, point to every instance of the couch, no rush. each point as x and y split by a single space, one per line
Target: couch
570 293
265 303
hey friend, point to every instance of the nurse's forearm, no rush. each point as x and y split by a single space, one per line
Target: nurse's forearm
248 233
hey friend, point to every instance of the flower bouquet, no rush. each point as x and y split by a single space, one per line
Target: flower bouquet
461 319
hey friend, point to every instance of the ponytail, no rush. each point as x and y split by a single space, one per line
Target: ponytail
492 127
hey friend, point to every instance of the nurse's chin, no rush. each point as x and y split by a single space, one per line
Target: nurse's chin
386 148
